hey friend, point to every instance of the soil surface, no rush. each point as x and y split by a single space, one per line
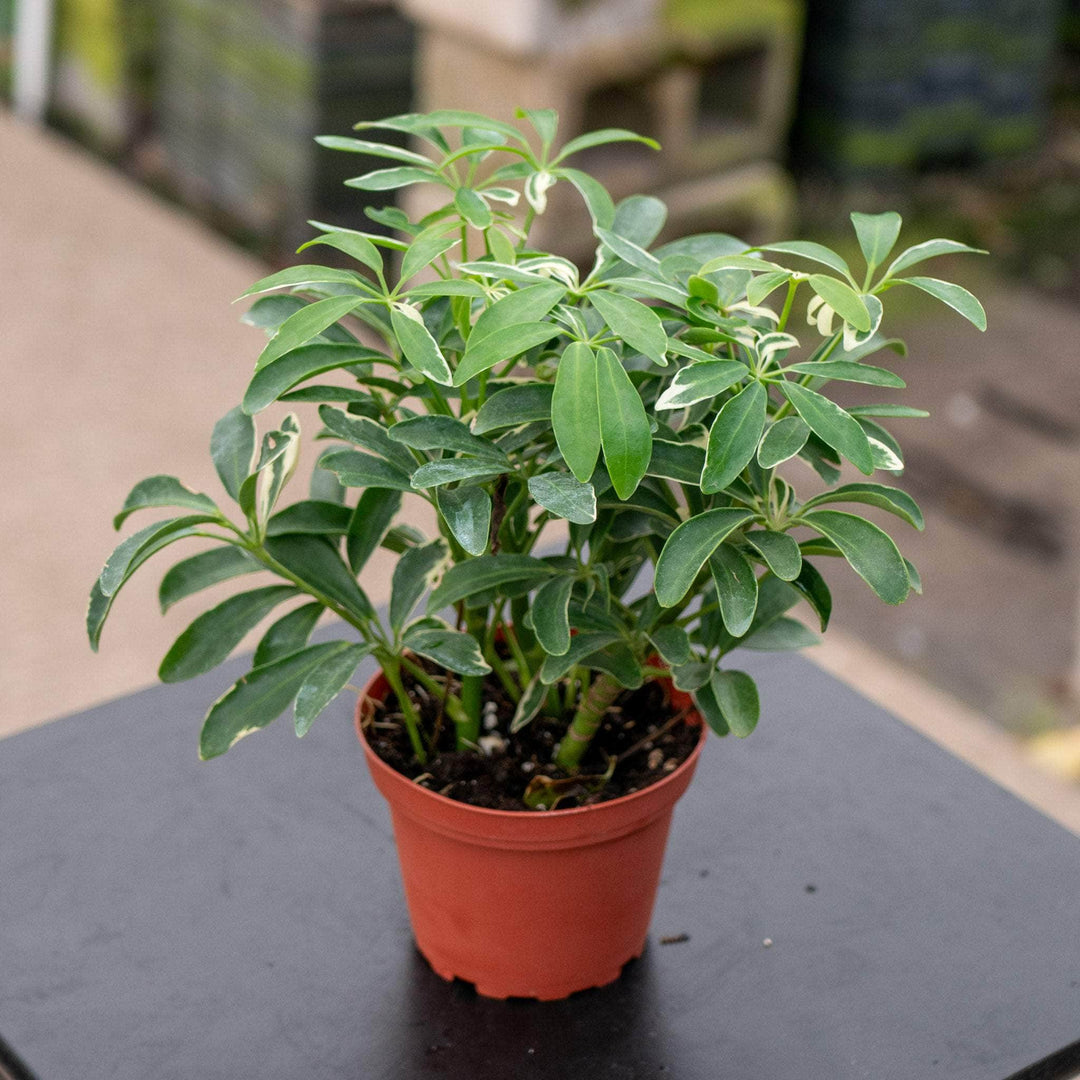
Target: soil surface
642 731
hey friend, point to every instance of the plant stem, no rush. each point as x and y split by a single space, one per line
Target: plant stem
586 722
472 698
792 286
392 671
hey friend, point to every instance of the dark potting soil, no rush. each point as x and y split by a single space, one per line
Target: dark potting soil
647 736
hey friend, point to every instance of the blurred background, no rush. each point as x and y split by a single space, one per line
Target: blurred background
156 156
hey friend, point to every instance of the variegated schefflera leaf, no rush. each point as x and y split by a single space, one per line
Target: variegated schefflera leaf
609 451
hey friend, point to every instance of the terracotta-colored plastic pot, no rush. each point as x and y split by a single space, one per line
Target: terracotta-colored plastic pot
527 904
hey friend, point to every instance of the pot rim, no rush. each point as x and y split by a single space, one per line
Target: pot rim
651 791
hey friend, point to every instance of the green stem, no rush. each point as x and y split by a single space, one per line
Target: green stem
472 699
453 705
790 299
586 722
392 670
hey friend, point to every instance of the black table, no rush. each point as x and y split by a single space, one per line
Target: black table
162 918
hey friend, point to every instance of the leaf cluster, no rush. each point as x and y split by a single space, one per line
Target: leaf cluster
608 451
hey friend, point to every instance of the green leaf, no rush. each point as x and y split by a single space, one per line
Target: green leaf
411 124
705 701
526 305
472 208
870 551
782 440
582 645
620 663
413 575
453 649
392 179
737 696
639 218
503 344
848 372
467 578
691 676
259 698
575 412
324 486
232 448
200 571
597 200
877 234
362 146
734 437
601 138
688 548
288 635
532 701
630 252
277 459
550 616
781 635
681 462
325 393
764 284
818 253
300 328
208 641
324 684
352 244
447 287
892 499
955 296
299 276
277 378
887 410
374 514
419 347
929 249
913 576
367 434
355 469
156 491
780 552
624 425
450 470
444 433
635 323
129 554
699 382
843 299
467 511
312 516
317 563
832 425
499 246
545 121
514 406
425 248
736 587
672 643
564 496
735 261
647 287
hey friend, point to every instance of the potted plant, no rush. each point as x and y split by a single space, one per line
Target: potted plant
608 455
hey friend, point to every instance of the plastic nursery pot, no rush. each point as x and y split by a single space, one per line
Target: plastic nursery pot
528 904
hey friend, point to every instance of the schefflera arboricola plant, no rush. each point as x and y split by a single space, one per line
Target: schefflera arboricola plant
645 404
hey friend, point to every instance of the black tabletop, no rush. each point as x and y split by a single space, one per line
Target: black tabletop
162 918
